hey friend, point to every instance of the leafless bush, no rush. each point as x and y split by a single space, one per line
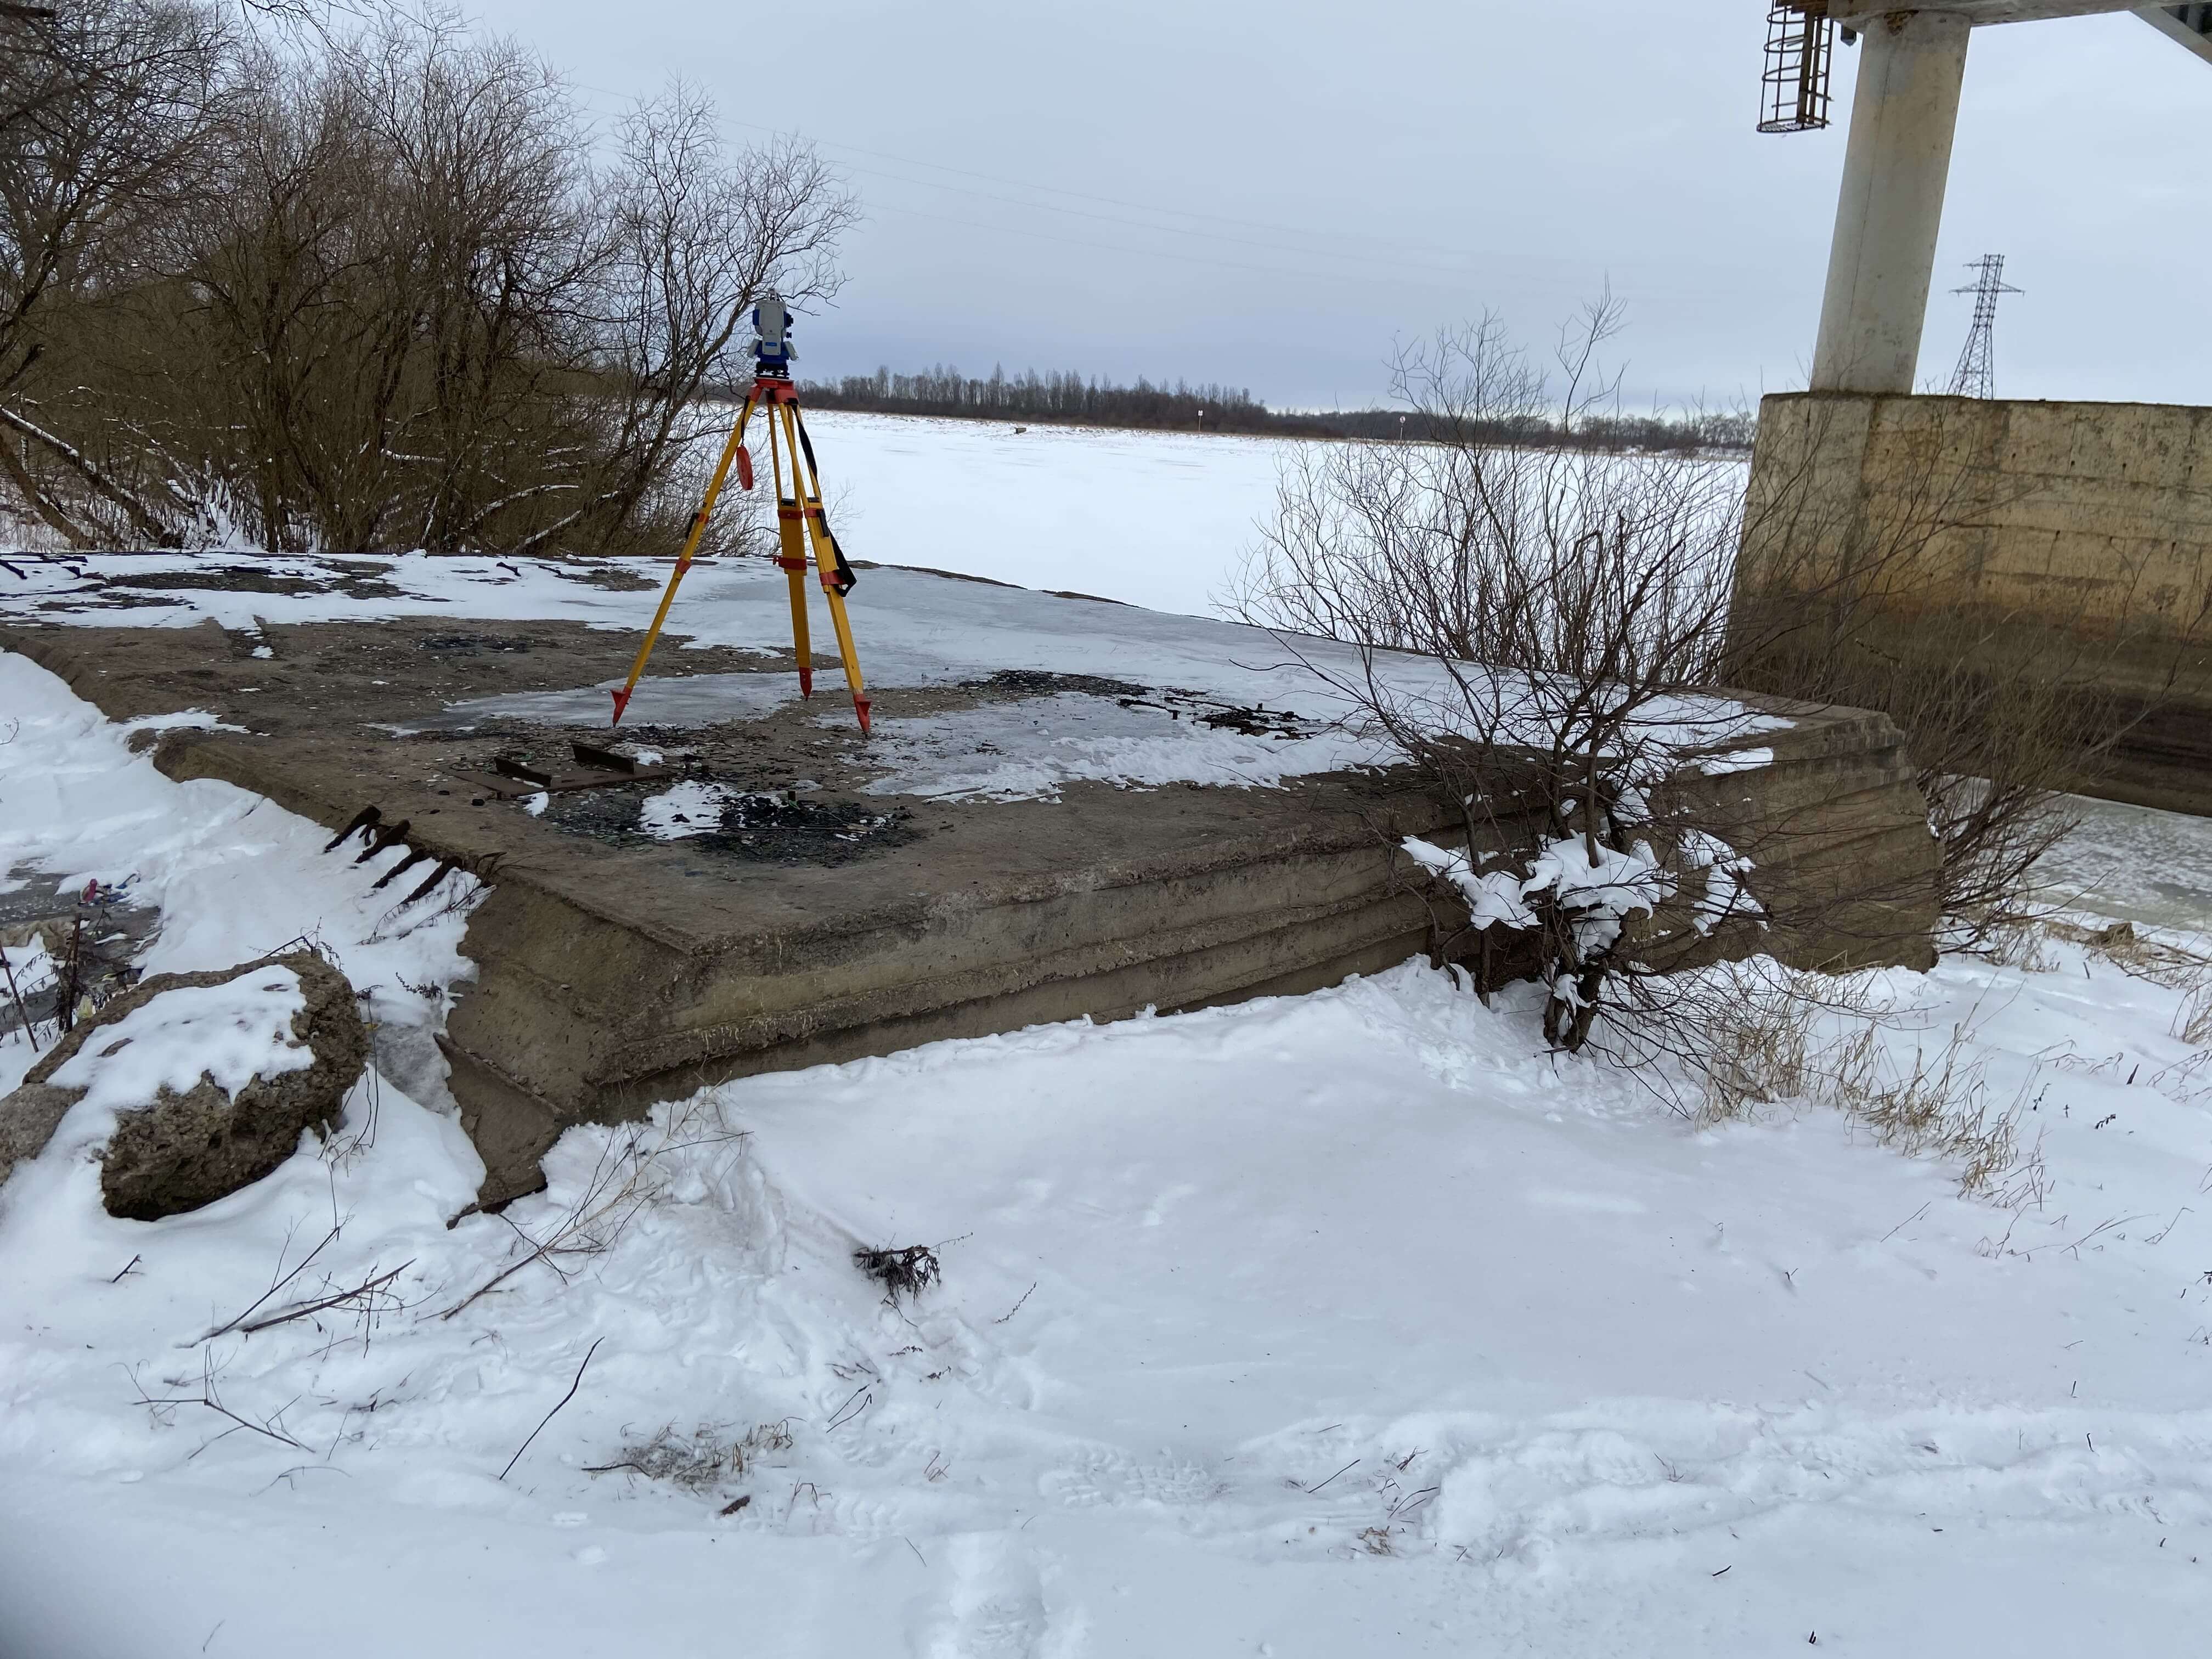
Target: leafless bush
1538 631
1551 640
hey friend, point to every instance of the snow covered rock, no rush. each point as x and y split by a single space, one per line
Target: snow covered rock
191 1086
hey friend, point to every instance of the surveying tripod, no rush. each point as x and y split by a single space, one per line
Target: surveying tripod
801 526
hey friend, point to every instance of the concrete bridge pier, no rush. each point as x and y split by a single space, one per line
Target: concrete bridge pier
1912 67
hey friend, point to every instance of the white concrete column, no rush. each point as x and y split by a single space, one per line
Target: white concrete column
1912 65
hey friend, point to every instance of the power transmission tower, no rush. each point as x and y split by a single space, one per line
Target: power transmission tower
1975 376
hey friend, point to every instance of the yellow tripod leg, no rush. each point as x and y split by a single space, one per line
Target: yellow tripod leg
817 536
730 451
837 620
791 549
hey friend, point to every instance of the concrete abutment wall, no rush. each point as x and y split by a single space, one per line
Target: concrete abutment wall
2075 535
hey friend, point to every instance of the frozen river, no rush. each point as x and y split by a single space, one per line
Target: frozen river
2135 864
1155 519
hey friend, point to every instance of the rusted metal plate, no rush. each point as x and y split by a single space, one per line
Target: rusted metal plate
613 760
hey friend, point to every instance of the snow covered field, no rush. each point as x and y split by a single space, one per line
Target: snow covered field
1161 520
1155 519
1344 1324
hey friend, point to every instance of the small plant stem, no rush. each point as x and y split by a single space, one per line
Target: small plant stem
22 1012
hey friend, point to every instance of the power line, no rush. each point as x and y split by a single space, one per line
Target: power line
1162 253
1086 196
1393 261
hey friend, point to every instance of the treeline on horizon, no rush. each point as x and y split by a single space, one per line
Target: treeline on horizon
1072 399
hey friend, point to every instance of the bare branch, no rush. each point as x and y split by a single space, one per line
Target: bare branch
576 1383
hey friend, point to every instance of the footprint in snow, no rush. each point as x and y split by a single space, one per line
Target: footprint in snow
994 1607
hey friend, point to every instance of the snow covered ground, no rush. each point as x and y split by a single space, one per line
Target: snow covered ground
1342 1324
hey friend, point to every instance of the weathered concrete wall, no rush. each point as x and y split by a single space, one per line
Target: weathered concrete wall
605 985
2078 535
585 1010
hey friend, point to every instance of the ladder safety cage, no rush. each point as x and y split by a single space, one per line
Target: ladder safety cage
1800 47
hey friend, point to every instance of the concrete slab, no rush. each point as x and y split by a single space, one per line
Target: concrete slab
1982 13
1165 819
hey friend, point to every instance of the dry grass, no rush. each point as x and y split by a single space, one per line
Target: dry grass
1936 1104
2021 943
905 1272
1773 1038
1766 1047
2161 963
1760 1044
702 1461
2172 966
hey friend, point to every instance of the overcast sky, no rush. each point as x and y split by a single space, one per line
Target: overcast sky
1269 194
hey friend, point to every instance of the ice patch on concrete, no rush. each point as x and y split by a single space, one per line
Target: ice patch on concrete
695 700
1026 751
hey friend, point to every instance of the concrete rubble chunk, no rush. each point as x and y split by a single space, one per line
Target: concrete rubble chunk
181 1150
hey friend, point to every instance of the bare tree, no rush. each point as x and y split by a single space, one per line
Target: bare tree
107 111
413 300
694 236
